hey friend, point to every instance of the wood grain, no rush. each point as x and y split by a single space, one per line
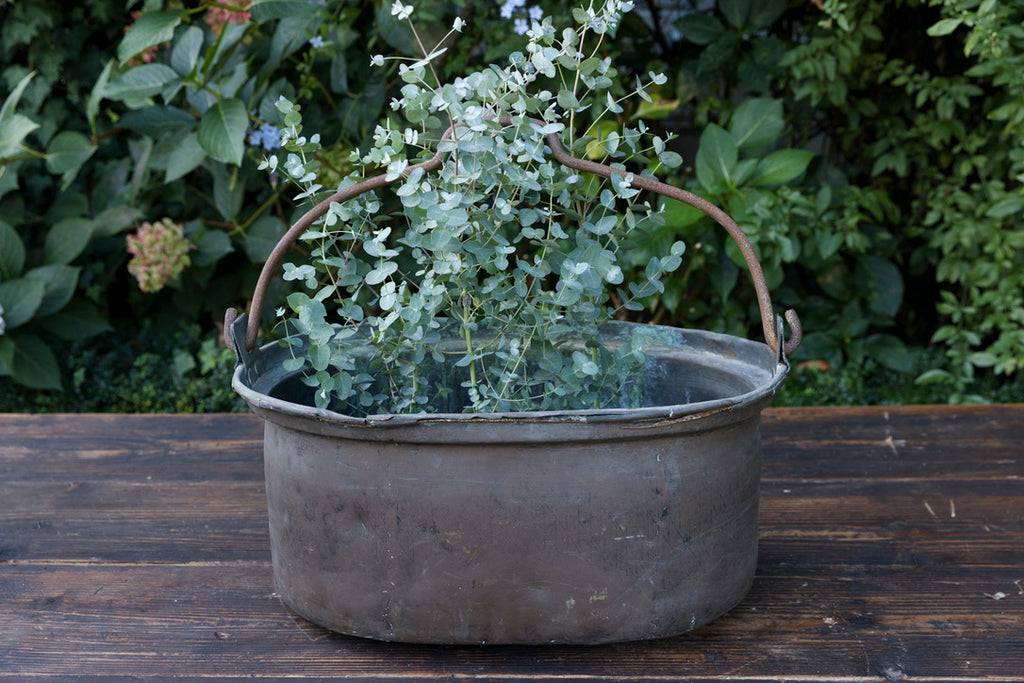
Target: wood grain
892 548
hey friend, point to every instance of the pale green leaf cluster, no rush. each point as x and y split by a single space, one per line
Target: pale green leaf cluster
482 286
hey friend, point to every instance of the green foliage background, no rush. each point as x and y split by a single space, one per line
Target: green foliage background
872 150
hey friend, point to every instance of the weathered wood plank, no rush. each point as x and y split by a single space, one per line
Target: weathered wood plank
134 546
131 447
116 521
222 620
896 442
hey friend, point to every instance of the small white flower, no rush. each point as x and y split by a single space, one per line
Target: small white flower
520 25
401 11
535 13
316 42
377 60
458 24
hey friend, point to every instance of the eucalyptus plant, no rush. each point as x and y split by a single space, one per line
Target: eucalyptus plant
482 286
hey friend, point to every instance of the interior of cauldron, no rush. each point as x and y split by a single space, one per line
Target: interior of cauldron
682 367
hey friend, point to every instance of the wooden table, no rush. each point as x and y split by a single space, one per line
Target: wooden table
892 547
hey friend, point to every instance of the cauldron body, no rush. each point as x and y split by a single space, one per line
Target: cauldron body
586 526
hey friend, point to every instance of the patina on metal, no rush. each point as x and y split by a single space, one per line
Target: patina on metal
587 526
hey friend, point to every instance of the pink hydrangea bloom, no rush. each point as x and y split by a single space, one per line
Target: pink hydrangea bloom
159 254
218 17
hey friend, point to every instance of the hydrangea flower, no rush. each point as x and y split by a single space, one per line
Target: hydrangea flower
267 136
513 9
219 17
510 6
159 254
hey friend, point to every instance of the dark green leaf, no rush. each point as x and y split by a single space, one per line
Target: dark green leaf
186 50
880 281
222 131
228 191
679 215
211 247
700 28
763 13
34 364
943 27
66 240
142 82
262 236
149 29
185 157
7 110
78 320
59 283
13 130
1005 207
12 253
92 107
114 220
757 122
265 10
781 166
20 300
889 351
716 157
735 11
66 154
157 121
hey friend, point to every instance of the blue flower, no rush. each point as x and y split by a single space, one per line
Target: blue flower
520 25
267 136
536 13
316 42
509 8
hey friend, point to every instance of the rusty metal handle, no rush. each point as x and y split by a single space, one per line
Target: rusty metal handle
771 336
